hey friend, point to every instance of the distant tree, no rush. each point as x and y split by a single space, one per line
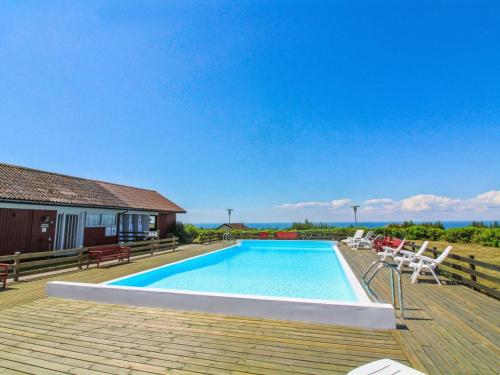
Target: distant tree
308 225
478 224
437 224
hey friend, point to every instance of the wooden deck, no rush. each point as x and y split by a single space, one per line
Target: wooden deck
450 330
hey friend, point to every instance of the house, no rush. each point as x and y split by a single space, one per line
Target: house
233 226
43 211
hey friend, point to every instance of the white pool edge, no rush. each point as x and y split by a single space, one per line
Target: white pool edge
362 314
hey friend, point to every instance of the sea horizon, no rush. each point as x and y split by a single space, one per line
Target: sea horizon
343 224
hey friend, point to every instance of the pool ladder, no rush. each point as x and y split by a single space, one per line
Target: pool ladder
368 276
228 237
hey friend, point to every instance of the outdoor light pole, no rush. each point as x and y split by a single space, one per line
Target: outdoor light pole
229 210
355 209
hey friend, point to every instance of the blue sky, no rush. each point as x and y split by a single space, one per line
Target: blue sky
281 110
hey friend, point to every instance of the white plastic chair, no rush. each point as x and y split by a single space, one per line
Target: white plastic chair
384 367
357 236
365 243
352 244
423 263
390 251
409 256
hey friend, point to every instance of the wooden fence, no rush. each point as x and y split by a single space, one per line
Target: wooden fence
468 275
26 264
211 237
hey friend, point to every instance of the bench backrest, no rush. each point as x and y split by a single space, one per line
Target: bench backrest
287 235
107 250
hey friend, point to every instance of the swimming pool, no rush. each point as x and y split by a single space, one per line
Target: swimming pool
296 269
294 280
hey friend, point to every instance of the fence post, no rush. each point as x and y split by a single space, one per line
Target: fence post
80 256
173 244
152 248
434 252
473 268
17 260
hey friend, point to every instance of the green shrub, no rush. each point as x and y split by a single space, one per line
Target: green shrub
187 233
479 235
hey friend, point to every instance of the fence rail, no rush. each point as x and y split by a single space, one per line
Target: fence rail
467 265
211 237
26 264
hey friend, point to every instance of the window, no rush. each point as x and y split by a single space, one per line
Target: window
152 222
93 220
100 220
108 220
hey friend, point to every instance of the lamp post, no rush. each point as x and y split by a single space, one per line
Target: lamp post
355 209
229 211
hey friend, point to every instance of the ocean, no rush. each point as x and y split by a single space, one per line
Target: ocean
368 224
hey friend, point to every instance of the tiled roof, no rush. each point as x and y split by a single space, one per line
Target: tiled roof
235 226
31 185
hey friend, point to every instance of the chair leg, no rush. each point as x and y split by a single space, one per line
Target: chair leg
435 277
400 265
415 275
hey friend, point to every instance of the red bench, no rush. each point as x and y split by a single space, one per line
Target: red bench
263 235
287 235
108 252
379 244
4 273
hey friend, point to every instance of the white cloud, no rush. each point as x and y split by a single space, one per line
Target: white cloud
378 201
339 203
380 204
332 205
417 205
301 205
428 202
488 199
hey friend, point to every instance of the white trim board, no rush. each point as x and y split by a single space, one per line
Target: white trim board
352 314
72 209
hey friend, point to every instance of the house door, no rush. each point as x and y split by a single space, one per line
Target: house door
69 233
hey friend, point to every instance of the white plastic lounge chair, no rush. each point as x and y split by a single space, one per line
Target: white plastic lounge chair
390 251
352 244
423 263
384 367
357 236
365 243
409 256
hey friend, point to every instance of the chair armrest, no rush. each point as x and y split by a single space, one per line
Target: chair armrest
407 252
426 258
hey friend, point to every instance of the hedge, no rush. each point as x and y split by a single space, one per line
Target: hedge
482 236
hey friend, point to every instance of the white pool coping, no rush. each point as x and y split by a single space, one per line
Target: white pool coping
361 314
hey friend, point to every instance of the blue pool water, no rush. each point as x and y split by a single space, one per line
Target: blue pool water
293 269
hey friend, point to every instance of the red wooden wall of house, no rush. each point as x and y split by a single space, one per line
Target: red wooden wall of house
166 224
26 231
94 236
